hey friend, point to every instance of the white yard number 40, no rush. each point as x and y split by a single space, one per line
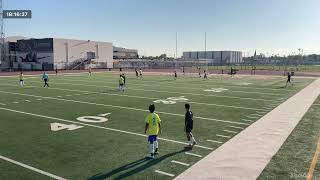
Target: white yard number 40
88 119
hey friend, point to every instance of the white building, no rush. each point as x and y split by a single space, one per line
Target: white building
52 53
215 57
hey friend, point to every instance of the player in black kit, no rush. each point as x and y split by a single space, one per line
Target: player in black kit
188 127
289 79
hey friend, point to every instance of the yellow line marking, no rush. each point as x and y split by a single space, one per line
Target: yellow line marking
314 162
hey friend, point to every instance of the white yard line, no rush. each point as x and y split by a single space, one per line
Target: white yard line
120 107
27 100
219 142
2 104
31 168
316 104
181 163
236 127
15 102
219 135
171 92
95 126
192 154
164 173
141 97
234 132
215 86
203 85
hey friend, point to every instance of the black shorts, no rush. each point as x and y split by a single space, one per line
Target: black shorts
45 80
189 129
120 84
21 80
289 80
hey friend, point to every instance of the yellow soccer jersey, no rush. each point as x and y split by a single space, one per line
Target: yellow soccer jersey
21 76
121 80
153 120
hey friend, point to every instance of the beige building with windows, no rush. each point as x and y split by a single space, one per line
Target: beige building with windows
52 53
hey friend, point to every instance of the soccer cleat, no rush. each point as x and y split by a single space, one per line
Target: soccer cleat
150 156
189 147
156 152
194 143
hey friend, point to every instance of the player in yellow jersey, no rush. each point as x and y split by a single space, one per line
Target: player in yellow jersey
152 129
21 79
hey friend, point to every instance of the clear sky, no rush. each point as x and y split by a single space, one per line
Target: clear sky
268 26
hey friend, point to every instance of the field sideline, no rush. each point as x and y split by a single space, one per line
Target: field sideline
103 135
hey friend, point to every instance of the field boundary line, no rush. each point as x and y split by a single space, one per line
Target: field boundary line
31 168
121 107
101 127
314 161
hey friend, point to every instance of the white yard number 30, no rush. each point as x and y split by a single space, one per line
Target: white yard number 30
171 100
88 119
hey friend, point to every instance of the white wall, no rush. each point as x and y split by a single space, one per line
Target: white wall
69 50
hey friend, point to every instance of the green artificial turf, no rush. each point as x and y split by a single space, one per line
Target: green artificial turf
116 148
293 159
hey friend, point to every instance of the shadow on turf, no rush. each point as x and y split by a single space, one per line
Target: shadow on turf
136 167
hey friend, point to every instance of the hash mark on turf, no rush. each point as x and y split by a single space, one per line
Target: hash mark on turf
253 117
236 127
39 99
164 173
181 163
15 102
27 100
219 135
215 141
2 104
230 131
246 120
192 154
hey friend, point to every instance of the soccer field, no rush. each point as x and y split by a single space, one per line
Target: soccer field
82 127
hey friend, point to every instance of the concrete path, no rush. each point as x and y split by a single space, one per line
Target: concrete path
246 155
